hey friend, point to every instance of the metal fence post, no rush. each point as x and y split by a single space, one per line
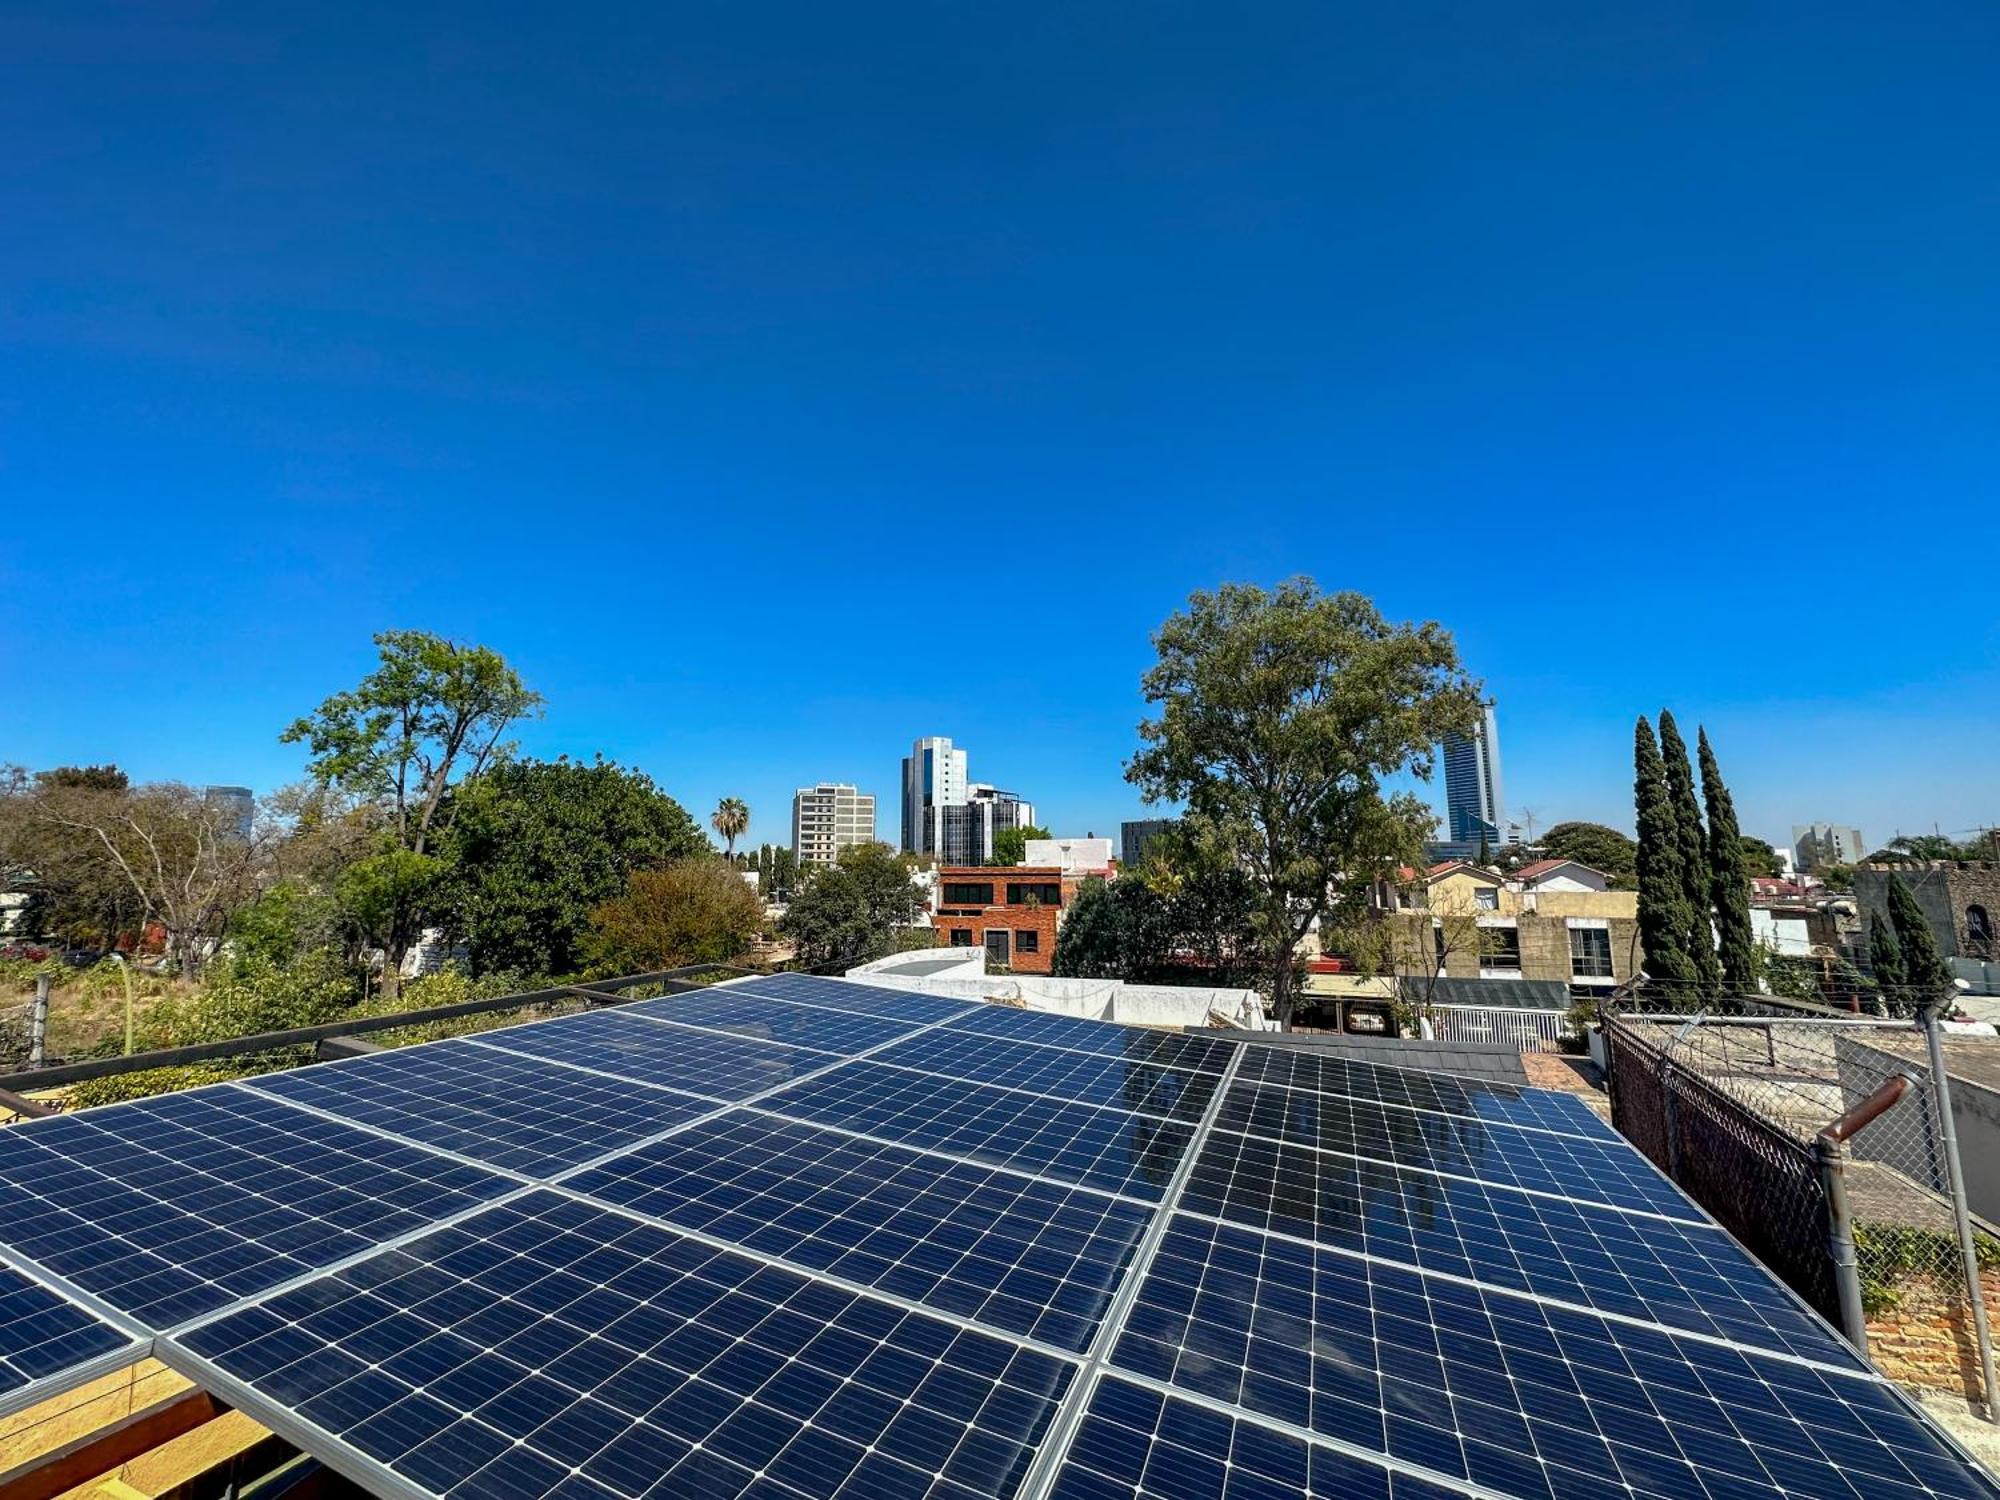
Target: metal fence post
1832 1157
1961 1214
38 1022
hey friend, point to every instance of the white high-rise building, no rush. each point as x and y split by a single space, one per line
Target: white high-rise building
828 818
934 778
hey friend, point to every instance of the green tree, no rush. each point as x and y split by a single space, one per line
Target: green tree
1699 940
1663 914
1924 969
1758 857
105 778
1594 844
691 912
1280 714
1885 961
1010 845
729 820
432 713
535 845
1729 885
1114 929
853 910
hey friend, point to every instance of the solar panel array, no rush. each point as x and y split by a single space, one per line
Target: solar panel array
796 1238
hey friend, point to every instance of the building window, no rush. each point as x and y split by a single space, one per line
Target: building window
961 937
1978 932
1034 893
1499 948
1486 899
1589 953
968 895
1027 940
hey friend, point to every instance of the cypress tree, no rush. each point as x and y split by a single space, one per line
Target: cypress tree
1699 939
1663 919
1924 968
1885 959
1485 850
1729 884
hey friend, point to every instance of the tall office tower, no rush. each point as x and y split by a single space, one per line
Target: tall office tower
933 779
1817 845
967 830
1472 783
828 818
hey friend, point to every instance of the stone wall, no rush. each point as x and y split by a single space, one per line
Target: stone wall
1943 888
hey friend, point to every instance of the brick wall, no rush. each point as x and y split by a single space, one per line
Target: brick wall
1927 1338
998 915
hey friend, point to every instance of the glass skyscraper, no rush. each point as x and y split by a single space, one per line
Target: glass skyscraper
1472 800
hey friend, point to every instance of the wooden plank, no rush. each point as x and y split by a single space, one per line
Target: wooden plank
110 1448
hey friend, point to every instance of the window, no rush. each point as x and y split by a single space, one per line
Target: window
961 937
1034 893
1589 953
1027 940
1978 932
967 895
1486 899
1499 948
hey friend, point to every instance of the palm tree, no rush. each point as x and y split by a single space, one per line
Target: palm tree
729 820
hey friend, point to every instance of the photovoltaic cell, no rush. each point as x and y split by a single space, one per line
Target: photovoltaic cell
857 999
710 1064
764 1019
548 1347
1136 1443
1573 1166
1684 1275
1526 1399
1023 1255
172 1207
1115 1150
1086 1077
521 1113
1166 1048
43 1333
1503 1104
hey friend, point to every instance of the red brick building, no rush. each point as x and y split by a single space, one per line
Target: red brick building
1011 911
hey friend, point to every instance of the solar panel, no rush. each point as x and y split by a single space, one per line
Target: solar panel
1019 1253
800 1238
1116 1150
645 1050
518 1113
1516 1395
770 1020
43 1333
1168 1049
1684 1275
1499 1103
1085 1077
1567 1165
856 999
553 1347
171 1207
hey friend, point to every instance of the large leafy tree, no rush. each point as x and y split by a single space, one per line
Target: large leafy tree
730 820
1663 915
535 845
1925 972
693 911
431 713
1758 857
856 909
1729 884
1279 716
1699 940
1594 844
1117 929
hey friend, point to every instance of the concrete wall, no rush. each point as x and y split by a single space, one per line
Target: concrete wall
1091 999
1943 890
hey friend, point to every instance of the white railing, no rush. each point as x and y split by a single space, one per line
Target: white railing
1530 1030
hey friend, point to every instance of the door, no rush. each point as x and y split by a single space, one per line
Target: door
997 953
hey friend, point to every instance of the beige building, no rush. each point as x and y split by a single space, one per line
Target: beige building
1552 920
828 818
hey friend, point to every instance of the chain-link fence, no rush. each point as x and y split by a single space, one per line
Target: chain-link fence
1820 1145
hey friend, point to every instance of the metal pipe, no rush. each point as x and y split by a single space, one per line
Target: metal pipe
1967 1250
1830 1151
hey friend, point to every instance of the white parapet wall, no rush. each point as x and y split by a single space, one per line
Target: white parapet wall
936 971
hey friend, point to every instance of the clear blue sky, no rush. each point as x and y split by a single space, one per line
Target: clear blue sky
776 383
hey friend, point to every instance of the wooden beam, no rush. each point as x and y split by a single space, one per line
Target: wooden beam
109 1447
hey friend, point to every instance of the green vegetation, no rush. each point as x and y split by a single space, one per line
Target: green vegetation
1664 920
1185 920
1891 1256
692 911
860 908
1278 717
1926 975
1729 883
730 820
1010 845
1595 845
1698 940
